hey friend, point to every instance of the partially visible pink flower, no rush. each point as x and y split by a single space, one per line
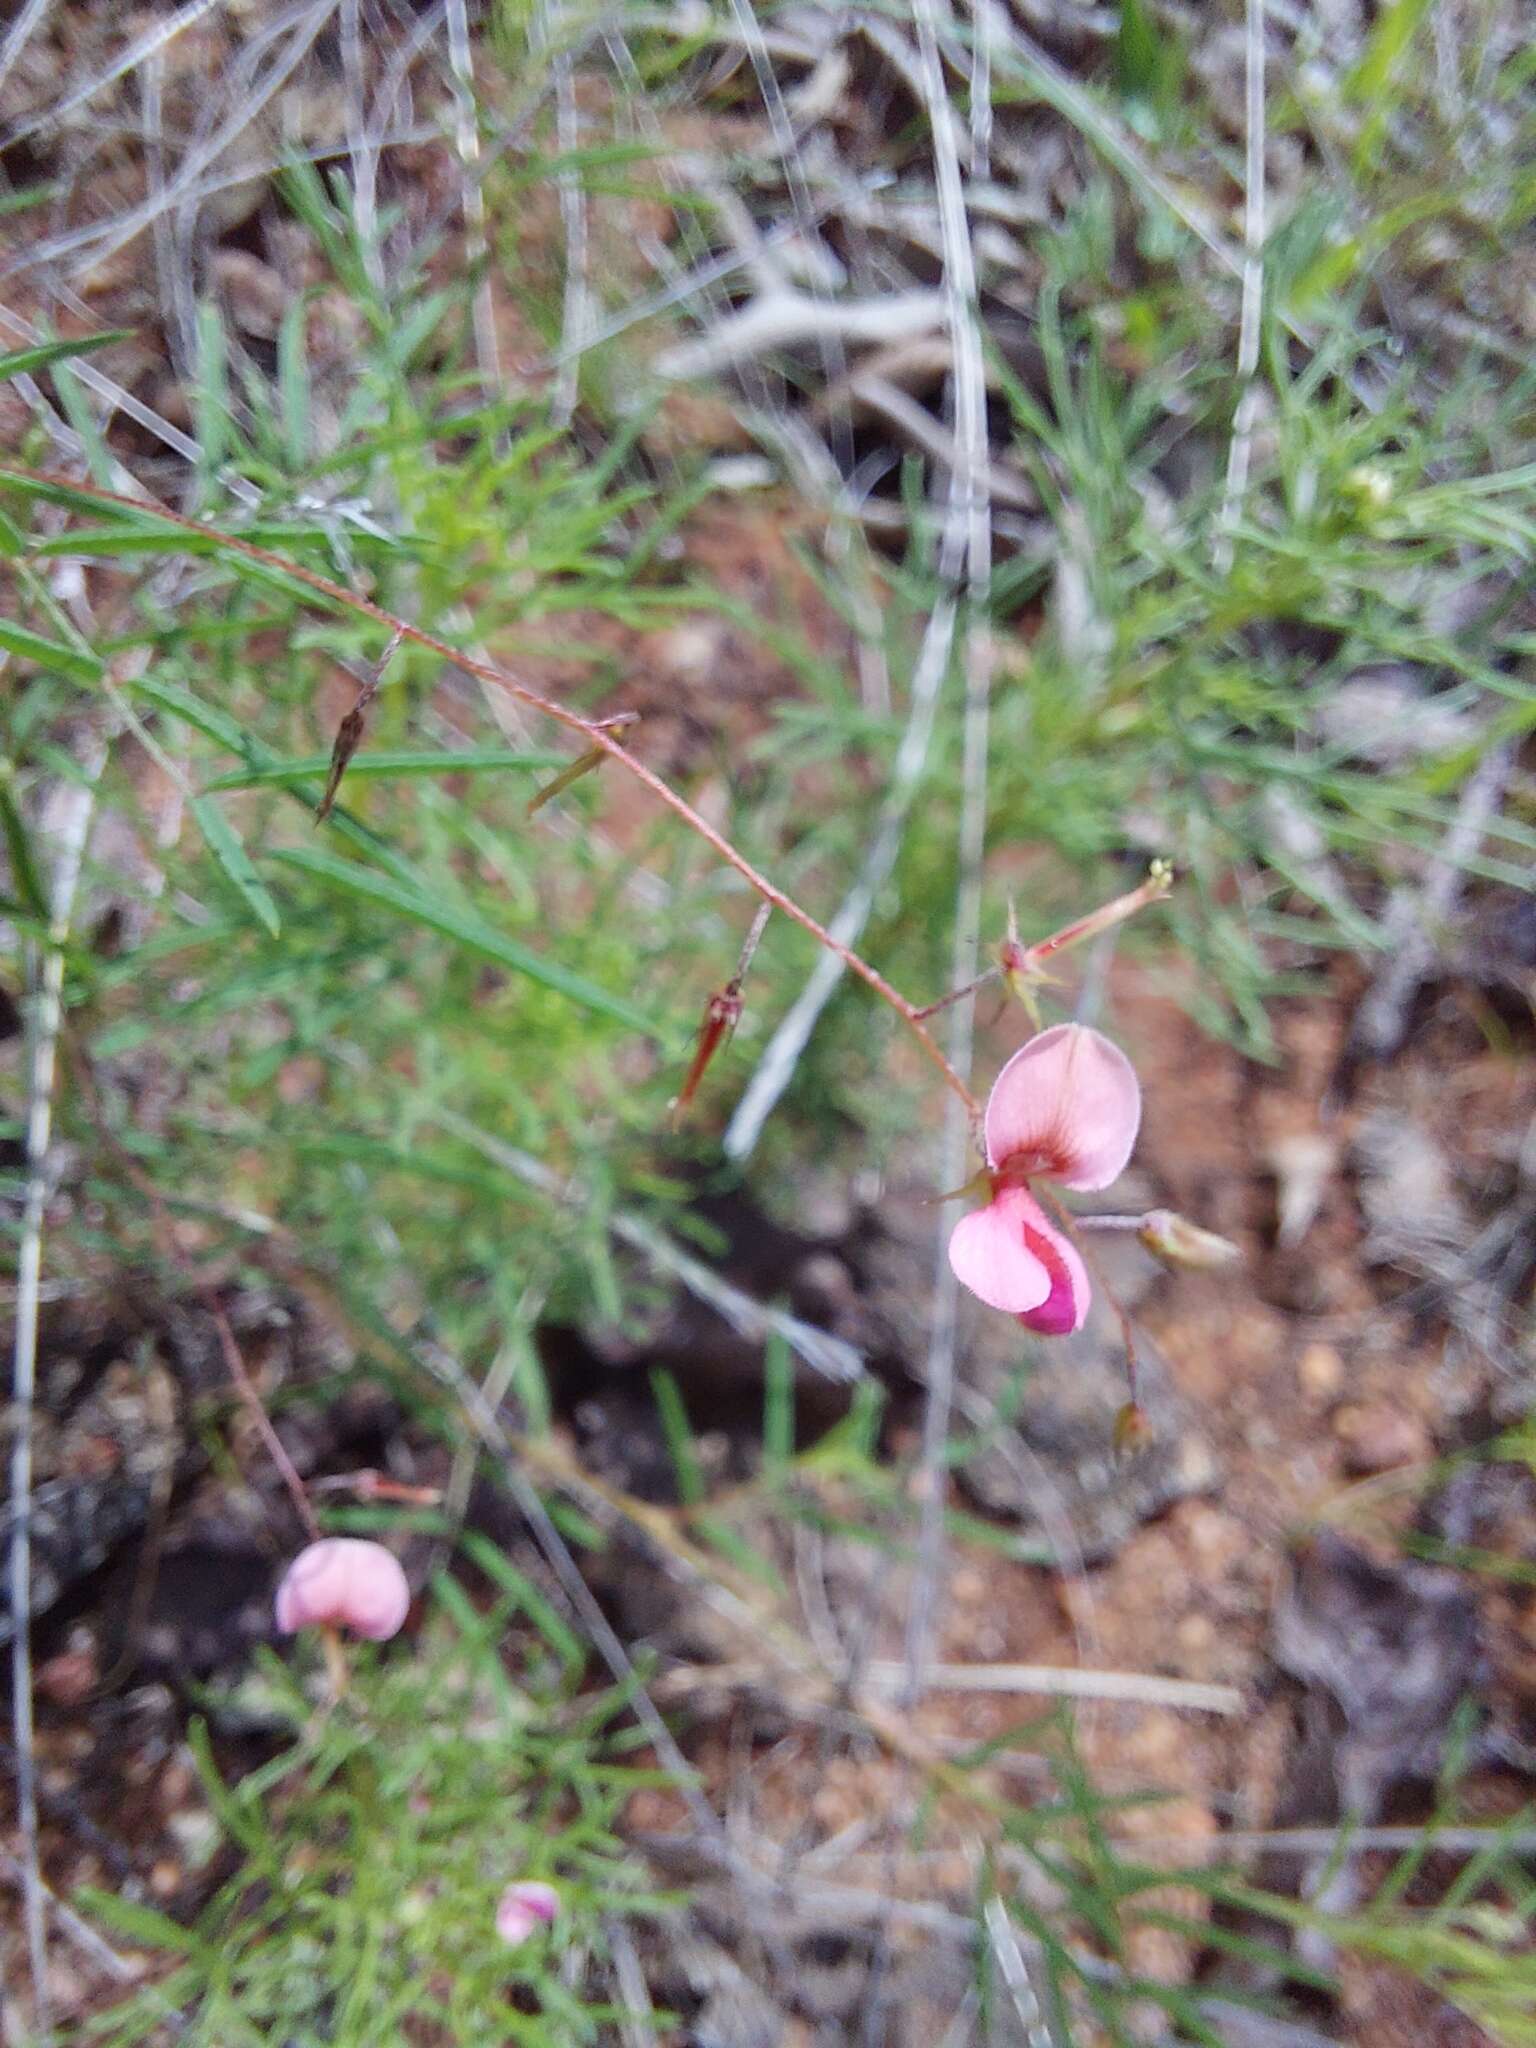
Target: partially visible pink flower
1015 1259
348 1582
1065 1108
525 1908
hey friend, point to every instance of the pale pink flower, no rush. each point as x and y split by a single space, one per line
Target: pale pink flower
348 1582
524 1908
1065 1108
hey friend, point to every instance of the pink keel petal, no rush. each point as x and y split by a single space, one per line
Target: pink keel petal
1065 1308
1066 1106
524 1908
989 1254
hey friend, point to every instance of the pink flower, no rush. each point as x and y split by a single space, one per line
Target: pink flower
347 1582
1065 1108
524 1908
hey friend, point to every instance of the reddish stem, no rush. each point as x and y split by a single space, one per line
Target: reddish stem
592 730
1068 1222
956 994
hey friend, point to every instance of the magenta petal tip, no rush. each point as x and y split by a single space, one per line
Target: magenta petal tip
525 1908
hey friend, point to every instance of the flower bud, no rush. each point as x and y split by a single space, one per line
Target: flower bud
347 1582
1178 1242
1132 1431
1370 486
525 1908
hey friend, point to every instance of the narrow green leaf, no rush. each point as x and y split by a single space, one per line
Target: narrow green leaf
228 849
129 539
778 1405
1138 58
1394 29
1371 83
309 767
498 1567
62 494
24 873
210 390
22 360
293 381
149 537
54 654
141 1924
468 931
678 1432
207 719
77 410
27 198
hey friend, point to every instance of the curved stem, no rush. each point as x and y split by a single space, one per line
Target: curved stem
594 732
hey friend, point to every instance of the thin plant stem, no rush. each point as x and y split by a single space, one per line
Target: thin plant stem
970 524
956 995
45 1016
594 731
1246 415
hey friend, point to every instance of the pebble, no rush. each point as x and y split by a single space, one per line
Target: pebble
1320 1370
69 1678
1195 1632
1376 1437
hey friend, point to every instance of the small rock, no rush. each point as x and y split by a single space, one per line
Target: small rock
257 296
1320 1371
1303 1164
1195 1632
1376 1437
69 1678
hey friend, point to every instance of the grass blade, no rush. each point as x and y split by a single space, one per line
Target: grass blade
228 849
22 361
385 764
54 654
469 931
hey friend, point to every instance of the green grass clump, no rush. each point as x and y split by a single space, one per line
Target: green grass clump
365 1859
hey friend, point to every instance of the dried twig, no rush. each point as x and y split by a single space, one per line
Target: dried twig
1246 413
775 1069
1067 1682
104 239
79 1931
20 33
45 1012
786 142
150 44
466 140
784 317
361 147
970 519
1008 1954
576 305
637 2018
1000 480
